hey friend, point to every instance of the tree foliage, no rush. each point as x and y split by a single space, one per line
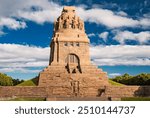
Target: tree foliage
17 81
141 79
5 80
8 81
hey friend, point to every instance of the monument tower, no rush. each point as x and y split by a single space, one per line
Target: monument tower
70 71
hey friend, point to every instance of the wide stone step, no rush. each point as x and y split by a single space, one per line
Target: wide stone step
77 99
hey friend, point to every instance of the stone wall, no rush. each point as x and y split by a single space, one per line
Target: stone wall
49 92
67 92
26 91
10 91
127 91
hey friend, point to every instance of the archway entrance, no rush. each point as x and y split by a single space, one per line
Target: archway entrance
73 63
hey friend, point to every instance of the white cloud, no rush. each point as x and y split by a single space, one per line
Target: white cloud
104 35
18 70
111 19
47 11
18 56
2 33
10 8
15 57
22 58
121 55
91 35
50 11
23 10
39 17
122 13
12 23
114 74
106 17
141 37
145 22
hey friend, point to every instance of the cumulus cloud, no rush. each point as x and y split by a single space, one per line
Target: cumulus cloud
91 35
22 5
40 12
18 70
104 35
21 57
39 17
43 11
111 19
122 13
12 23
145 22
114 74
49 11
121 55
46 12
18 56
141 37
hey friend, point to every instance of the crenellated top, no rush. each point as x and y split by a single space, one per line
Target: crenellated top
68 20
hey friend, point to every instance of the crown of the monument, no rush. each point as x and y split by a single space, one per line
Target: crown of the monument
69 27
68 20
68 9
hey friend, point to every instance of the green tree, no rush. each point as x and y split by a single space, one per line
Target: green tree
17 81
141 79
5 80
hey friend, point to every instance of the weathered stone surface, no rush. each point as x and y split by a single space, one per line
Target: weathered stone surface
127 91
65 93
70 64
10 91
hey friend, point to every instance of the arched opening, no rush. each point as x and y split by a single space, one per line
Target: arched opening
73 63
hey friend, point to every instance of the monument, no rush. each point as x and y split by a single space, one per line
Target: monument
70 71
70 74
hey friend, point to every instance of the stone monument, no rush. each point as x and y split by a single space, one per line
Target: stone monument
70 71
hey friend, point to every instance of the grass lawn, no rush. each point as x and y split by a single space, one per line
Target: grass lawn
115 83
28 99
31 82
27 83
34 82
136 99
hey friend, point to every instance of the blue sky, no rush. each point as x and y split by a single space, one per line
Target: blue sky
119 32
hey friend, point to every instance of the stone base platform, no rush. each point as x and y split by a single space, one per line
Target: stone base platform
58 75
77 99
